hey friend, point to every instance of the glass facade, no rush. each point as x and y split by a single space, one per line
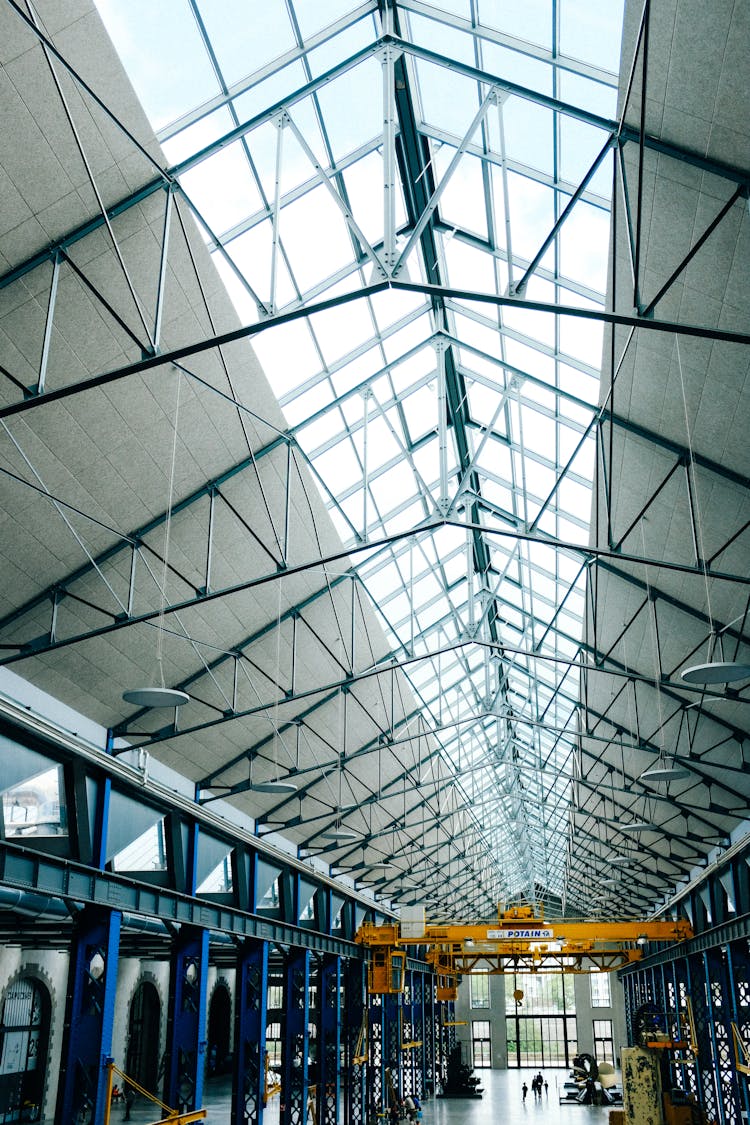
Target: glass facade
541 1027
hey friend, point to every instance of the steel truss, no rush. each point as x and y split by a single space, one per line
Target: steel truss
496 583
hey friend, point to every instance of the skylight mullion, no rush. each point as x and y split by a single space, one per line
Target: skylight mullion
519 168
521 46
236 89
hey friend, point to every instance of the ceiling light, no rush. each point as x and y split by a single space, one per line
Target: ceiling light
620 860
381 865
631 825
717 672
664 773
156 697
278 786
339 833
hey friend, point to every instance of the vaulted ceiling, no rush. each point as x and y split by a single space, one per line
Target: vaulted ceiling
385 390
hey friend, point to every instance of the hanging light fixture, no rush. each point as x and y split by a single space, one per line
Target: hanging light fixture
717 672
631 825
156 697
279 785
664 771
712 671
275 784
338 832
160 695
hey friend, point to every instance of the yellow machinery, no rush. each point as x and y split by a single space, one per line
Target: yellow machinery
520 942
741 1051
169 1116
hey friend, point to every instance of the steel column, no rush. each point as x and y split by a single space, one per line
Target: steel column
186 1045
376 1101
250 1033
738 968
329 1041
89 1017
720 1007
356 1043
295 1047
392 1011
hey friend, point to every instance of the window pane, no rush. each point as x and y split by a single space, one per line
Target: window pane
36 806
601 996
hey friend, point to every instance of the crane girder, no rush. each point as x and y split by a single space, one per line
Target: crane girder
519 942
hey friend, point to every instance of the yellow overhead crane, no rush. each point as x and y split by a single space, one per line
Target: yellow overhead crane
520 942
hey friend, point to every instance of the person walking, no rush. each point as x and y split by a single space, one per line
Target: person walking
129 1096
525 1090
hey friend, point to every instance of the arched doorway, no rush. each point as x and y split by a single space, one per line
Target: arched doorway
219 1030
24 1042
143 1036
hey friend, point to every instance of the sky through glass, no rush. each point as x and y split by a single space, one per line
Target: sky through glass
436 145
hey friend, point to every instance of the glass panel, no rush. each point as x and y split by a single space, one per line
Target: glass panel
36 806
220 879
600 990
146 853
479 986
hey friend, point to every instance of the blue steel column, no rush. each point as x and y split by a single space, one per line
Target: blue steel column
250 1033
329 1041
376 1099
186 1045
418 1031
295 1047
392 1042
428 1031
738 967
89 1017
355 1016
704 1067
717 983
690 1074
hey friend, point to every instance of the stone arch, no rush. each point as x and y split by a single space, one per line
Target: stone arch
144 1034
219 1029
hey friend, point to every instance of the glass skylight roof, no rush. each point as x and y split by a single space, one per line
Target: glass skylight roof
437 145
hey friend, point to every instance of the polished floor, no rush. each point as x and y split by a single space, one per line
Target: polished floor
501 1104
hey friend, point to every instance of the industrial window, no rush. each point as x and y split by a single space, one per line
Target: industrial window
542 994
479 991
36 806
273 1044
148 852
601 994
275 997
603 1043
540 1020
220 879
481 1045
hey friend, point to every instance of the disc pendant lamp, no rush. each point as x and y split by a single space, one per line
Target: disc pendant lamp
158 694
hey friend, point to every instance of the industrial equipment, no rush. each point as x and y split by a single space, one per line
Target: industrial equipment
170 1116
519 942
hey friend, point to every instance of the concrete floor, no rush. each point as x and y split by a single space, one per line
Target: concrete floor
502 1102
